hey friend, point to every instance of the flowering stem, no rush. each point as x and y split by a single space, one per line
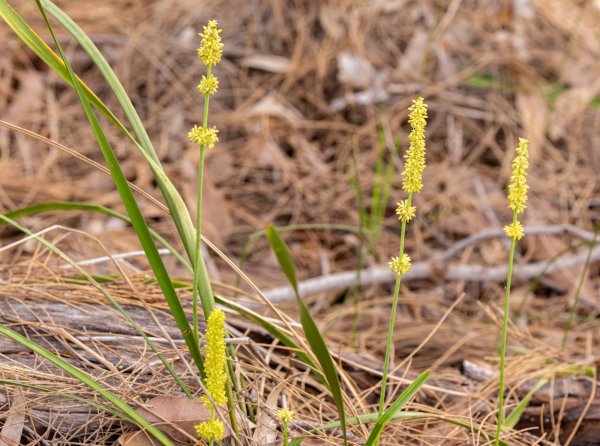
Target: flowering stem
511 258
285 433
198 254
388 346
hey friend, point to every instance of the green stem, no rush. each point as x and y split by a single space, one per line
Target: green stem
285 433
388 346
207 301
197 248
511 258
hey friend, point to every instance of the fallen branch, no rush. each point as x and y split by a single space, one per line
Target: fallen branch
439 269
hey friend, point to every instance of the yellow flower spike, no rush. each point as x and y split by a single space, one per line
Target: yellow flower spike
211 48
400 265
514 230
208 85
204 137
517 190
405 211
285 415
216 359
212 430
415 155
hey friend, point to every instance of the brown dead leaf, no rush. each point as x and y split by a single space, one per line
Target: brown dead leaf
141 438
533 109
267 62
176 416
266 432
11 432
271 105
412 59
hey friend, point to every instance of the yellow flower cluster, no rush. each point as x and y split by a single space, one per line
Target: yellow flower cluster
211 48
517 190
400 265
514 230
405 211
285 415
210 51
212 430
415 155
206 137
208 85
216 358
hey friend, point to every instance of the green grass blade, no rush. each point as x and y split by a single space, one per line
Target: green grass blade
244 252
311 331
112 300
51 206
361 419
408 415
284 258
513 418
88 381
400 402
137 220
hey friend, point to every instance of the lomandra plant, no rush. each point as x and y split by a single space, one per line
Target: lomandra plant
517 198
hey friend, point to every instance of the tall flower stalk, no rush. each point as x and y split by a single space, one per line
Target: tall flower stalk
210 52
412 183
517 197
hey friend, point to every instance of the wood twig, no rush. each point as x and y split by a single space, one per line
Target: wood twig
440 269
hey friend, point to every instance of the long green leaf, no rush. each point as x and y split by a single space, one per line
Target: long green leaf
88 381
388 415
51 206
311 331
137 219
